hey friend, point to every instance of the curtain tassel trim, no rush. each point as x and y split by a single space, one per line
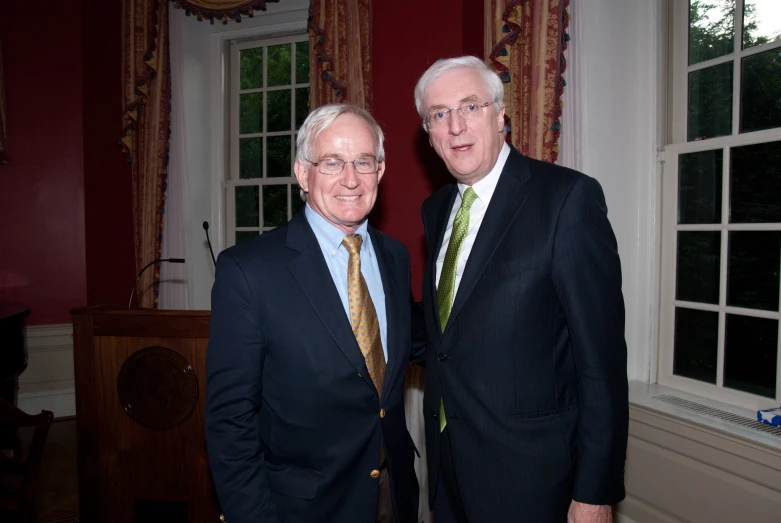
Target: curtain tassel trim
197 9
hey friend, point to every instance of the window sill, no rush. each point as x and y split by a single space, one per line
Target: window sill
642 397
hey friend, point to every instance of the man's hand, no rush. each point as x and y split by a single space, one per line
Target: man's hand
585 513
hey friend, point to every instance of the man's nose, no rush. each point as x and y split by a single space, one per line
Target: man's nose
456 123
349 176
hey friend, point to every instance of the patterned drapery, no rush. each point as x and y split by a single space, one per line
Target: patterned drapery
525 43
3 156
145 136
340 39
223 10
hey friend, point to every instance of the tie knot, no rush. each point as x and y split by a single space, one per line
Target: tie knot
352 242
468 199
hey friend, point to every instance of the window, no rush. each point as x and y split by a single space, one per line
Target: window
721 230
269 83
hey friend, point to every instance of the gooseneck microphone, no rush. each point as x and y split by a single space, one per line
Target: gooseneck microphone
161 260
206 228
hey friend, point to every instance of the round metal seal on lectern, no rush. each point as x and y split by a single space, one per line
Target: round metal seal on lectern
158 388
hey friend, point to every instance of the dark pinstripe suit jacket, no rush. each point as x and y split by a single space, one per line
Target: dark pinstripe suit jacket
532 364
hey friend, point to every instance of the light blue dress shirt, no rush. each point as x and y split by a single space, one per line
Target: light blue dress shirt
336 257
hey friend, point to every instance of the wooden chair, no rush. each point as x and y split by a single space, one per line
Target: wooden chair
19 465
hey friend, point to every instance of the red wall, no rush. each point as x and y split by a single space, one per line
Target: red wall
42 260
66 237
441 29
107 184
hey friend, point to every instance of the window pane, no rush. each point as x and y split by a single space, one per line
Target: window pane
250 157
302 105
754 261
697 277
302 62
247 205
710 102
699 187
274 205
278 110
711 29
278 156
755 183
750 349
296 203
279 65
242 236
760 92
761 22
696 344
251 63
251 113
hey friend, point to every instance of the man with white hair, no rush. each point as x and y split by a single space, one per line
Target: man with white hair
308 349
526 391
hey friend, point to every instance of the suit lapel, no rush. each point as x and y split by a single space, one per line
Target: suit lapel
312 275
506 202
391 289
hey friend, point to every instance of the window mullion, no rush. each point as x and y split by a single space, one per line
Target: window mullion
724 253
737 67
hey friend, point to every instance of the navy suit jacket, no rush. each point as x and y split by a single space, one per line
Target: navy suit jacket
532 363
293 420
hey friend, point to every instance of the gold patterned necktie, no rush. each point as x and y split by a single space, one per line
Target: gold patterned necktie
447 278
363 315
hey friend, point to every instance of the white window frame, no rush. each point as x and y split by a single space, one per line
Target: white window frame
233 180
679 97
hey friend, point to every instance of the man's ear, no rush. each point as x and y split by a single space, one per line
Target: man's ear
500 119
380 171
302 175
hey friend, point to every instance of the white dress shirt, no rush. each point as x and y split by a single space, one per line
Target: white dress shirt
484 189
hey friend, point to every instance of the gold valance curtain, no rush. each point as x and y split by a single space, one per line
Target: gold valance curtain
147 97
525 42
222 9
3 155
340 38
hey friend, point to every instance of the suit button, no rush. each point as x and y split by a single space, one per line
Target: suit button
375 473
434 416
382 413
442 356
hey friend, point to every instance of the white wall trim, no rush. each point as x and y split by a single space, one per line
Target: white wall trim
620 518
61 402
46 337
48 381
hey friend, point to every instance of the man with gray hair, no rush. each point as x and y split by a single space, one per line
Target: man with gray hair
526 391
308 349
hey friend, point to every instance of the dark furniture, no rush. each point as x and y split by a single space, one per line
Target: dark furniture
140 383
19 464
13 355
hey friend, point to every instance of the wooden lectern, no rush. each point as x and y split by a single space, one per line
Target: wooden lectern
140 387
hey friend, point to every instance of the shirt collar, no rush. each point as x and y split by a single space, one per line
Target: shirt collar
485 188
330 236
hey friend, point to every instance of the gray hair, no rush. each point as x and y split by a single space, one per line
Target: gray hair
444 65
321 118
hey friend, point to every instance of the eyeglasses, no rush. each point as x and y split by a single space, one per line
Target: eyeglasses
333 166
468 110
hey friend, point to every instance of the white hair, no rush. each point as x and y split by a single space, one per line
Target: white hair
492 81
321 118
